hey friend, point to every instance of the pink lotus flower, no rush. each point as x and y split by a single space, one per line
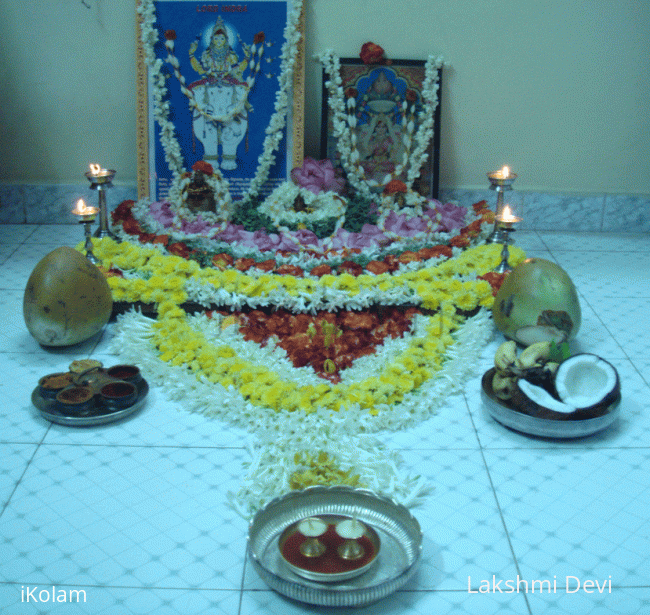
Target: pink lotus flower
452 217
317 176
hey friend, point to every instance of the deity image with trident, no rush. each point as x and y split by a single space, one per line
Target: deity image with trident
219 99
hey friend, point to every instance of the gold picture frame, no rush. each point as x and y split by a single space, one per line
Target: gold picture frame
147 158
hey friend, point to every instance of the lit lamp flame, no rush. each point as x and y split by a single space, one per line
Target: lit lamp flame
505 172
507 214
506 219
95 169
81 208
84 211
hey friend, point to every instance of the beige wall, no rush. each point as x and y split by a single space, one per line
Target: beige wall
557 89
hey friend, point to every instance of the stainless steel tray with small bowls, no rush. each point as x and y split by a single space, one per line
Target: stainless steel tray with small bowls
398 534
100 407
545 427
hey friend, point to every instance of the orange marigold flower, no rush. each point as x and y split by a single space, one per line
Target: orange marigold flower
377 267
434 251
488 216
358 320
146 237
481 205
179 249
392 261
267 265
459 241
408 257
203 166
244 264
222 261
321 270
293 270
131 226
494 279
162 239
472 229
122 211
371 53
351 267
394 186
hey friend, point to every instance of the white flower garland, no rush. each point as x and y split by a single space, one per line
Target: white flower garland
344 123
279 206
345 434
178 195
274 131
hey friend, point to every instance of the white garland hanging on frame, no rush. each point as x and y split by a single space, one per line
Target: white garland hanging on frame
161 107
344 125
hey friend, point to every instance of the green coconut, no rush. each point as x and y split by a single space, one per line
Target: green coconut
67 299
537 302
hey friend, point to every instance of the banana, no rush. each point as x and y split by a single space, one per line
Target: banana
551 367
502 386
505 356
535 354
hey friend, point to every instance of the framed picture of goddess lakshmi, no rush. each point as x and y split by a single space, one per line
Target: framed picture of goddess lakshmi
389 103
219 84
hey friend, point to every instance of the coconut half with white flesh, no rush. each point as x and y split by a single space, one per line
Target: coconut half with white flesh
586 380
586 386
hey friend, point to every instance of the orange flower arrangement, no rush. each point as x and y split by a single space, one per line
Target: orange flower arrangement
371 53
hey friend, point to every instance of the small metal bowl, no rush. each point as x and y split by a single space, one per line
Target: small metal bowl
340 569
118 394
75 400
128 373
50 385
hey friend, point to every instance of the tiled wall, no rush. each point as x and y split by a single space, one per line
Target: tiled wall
51 204
570 212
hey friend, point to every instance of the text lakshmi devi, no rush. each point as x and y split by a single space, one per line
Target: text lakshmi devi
569 585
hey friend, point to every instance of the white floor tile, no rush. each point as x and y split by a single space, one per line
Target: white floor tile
125 516
17 233
575 512
621 601
464 533
15 459
607 274
630 332
61 235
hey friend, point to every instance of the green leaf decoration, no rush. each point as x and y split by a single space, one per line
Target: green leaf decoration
559 352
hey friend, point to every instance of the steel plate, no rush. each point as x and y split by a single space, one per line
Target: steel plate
97 415
398 531
507 415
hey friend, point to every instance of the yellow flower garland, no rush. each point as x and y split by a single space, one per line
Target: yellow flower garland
161 279
181 344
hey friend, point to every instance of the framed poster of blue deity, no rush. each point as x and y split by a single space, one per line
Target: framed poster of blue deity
219 83
387 100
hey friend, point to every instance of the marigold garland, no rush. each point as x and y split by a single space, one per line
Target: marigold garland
150 276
